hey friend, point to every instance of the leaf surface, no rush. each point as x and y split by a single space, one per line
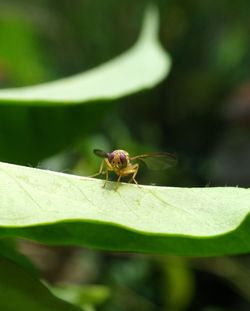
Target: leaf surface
64 209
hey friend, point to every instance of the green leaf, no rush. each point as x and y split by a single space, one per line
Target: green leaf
19 290
63 209
82 296
8 250
142 67
20 50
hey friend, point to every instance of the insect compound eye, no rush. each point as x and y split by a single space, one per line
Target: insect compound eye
111 156
123 159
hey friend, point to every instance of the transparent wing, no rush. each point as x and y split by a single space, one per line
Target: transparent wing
100 153
157 160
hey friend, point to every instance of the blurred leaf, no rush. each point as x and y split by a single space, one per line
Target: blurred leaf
21 60
178 283
8 250
63 209
29 134
142 67
230 49
19 290
82 296
232 269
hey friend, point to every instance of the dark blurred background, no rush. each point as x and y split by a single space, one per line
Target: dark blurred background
201 112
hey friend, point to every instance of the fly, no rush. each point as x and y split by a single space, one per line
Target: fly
122 164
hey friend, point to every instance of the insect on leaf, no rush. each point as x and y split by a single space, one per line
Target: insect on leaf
157 161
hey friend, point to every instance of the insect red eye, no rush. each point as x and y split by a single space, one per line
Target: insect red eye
123 158
111 156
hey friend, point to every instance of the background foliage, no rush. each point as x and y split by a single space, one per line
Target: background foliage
201 112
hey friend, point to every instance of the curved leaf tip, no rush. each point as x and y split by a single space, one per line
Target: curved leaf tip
141 67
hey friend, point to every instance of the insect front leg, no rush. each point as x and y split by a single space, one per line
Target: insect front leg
117 182
109 168
134 172
106 179
100 170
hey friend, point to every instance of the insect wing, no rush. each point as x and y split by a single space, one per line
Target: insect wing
100 153
157 161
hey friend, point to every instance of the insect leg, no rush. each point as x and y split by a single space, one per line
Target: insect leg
100 170
107 178
136 168
117 183
109 168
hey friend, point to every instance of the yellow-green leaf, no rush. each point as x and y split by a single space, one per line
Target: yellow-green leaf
57 208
